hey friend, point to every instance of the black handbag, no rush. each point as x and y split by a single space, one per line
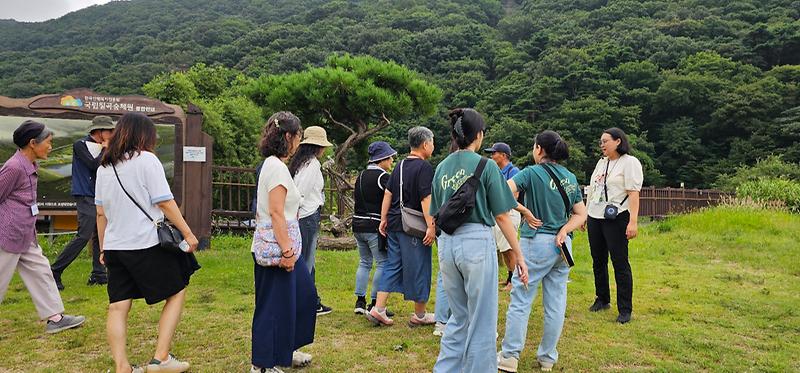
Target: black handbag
565 255
169 238
456 210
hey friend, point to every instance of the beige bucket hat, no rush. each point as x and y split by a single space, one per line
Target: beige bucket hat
315 135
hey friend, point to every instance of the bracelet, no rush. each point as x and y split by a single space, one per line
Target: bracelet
287 257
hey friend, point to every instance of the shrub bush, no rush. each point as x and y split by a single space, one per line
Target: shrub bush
783 190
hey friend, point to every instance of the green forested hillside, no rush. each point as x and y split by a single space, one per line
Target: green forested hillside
702 85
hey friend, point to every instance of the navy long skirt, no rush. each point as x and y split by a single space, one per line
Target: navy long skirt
285 314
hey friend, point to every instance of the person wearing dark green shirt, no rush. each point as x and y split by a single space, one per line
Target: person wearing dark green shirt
541 250
467 259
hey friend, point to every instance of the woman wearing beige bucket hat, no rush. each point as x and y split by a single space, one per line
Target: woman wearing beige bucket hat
307 173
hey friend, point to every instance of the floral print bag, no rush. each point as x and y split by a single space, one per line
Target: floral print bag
265 247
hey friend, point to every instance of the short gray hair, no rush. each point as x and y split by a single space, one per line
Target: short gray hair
419 135
46 132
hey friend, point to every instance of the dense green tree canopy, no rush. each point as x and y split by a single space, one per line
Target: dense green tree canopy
702 86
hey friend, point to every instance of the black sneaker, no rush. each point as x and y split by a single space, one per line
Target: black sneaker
59 285
624 318
361 306
97 281
323 309
599 306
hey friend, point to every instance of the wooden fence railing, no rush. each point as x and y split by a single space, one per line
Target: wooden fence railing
658 202
234 192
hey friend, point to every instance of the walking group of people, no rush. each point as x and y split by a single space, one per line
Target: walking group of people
470 207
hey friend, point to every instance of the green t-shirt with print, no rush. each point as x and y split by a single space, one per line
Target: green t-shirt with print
543 198
493 198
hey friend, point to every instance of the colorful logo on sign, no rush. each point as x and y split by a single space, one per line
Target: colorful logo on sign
71 101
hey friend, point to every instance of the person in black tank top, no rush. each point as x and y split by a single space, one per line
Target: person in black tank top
368 195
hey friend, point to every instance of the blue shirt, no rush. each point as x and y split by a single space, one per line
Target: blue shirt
509 171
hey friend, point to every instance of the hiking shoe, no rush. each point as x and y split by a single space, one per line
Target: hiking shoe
254 369
624 318
172 365
438 329
546 366
59 284
361 306
415 321
323 309
66 322
599 305
379 318
300 359
507 364
96 281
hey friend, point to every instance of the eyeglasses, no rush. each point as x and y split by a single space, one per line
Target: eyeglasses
603 141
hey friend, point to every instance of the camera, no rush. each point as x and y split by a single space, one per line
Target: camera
610 212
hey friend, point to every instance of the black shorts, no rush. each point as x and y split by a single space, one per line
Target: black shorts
154 274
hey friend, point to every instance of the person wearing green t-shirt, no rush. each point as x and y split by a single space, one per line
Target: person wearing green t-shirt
467 259
541 250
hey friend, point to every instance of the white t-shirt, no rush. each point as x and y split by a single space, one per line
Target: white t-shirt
624 174
311 185
274 173
144 179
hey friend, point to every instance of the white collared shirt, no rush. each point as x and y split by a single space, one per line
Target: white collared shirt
310 183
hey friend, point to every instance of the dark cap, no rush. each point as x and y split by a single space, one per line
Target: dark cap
101 122
380 150
499 147
27 131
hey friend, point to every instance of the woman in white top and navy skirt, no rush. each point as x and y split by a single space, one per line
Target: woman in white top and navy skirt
307 174
613 204
284 316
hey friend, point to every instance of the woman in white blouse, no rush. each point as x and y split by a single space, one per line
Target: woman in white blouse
613 204
307 173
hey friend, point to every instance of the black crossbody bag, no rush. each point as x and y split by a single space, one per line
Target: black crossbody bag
565 255
457 208
169 238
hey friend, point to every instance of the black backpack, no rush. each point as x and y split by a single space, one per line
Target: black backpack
458 207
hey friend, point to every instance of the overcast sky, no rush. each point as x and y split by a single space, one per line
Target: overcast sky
41 10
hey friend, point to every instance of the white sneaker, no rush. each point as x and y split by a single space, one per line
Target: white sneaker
507 364
171 365
438 329
546 366
300 359
255 369
428 319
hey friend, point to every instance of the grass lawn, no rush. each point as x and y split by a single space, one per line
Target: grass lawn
714 291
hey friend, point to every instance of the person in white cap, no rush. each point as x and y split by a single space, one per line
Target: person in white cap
307 174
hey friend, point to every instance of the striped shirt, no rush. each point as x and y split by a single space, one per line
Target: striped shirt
18 180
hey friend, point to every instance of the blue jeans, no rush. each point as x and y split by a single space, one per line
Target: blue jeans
546 267
368 250
309 231
468 264
442 309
